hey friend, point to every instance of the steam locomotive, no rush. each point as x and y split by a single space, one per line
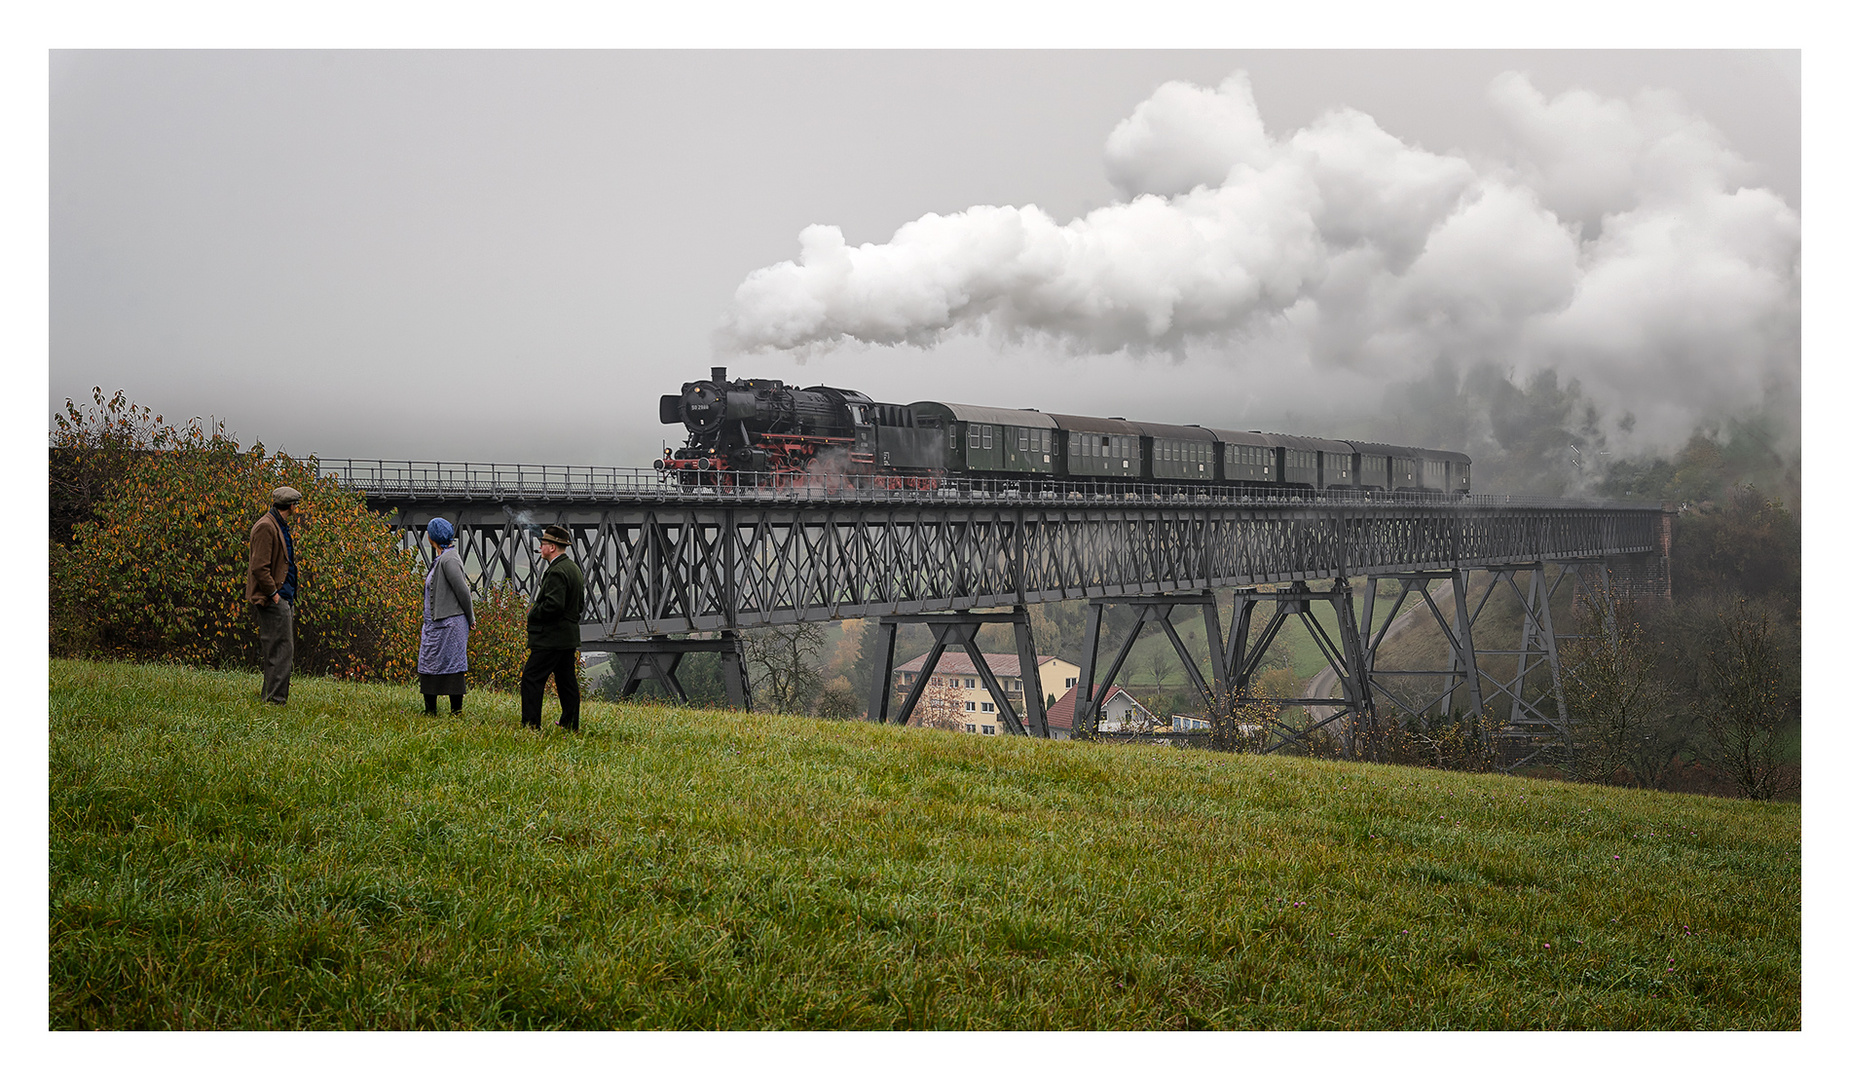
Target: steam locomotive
761 432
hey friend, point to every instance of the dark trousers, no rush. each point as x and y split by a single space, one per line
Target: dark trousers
562 665
276 648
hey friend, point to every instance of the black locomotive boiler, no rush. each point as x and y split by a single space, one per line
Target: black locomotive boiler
762 432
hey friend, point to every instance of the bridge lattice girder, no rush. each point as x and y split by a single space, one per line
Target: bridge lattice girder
655 567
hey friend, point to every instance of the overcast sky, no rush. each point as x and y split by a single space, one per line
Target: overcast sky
511 256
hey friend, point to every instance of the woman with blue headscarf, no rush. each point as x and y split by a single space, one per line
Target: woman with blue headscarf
449 615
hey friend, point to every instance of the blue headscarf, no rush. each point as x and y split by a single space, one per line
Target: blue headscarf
441 532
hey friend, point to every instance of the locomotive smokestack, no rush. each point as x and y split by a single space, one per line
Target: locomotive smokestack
719 376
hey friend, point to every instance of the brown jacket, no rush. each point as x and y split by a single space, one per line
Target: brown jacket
269 560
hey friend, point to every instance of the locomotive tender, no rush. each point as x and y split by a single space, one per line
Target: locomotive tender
759 432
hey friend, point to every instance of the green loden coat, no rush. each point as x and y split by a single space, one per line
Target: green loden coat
552 621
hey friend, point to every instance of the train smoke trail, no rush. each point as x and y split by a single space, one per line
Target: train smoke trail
1615 244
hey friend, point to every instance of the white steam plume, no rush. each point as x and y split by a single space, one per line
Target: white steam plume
1615 243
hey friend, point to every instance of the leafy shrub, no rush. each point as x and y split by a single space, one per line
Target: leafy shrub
498 645
159 520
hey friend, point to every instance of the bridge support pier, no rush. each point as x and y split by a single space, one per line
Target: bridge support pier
1152 610
1346 655
1539 723
960 629
656 658
1519 692
1460 676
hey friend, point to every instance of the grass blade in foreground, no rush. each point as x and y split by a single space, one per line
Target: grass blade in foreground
349 863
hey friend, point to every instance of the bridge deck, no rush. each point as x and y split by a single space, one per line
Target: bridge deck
660 560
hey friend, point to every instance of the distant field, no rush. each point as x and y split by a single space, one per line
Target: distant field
349 863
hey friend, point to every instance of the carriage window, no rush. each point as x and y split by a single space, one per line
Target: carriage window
1021 440
988 437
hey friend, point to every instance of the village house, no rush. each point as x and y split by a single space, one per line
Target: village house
1120 712
956 686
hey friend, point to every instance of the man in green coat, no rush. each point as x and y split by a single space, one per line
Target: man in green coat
552 633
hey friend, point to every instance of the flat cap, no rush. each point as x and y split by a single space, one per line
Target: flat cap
285 496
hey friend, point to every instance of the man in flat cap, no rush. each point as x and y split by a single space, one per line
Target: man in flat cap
552 632
270 587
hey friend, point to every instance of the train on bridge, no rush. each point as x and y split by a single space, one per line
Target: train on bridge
761 432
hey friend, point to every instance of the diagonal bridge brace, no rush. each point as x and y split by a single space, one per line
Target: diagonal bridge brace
1463 672
1152 610
960 629
1345 655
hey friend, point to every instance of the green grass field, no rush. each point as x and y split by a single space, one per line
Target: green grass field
346 862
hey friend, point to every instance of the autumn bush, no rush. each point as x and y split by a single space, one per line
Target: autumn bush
498 645
158 519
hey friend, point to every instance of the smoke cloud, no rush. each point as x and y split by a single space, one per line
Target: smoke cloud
1612 244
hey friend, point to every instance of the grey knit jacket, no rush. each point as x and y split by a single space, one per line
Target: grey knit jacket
448 591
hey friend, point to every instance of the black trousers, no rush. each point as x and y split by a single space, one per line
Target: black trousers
562 665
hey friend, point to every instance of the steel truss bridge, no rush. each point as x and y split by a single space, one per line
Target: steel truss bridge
661 563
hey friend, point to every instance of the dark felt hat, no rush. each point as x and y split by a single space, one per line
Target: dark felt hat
558 535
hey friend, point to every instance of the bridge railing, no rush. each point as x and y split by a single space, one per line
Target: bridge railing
485 480
505 482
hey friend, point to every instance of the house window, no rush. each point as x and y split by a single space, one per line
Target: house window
989 729
969 706
971 728
989 706
1070 682
970 684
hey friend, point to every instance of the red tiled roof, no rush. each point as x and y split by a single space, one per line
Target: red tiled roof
1002 665
1060 713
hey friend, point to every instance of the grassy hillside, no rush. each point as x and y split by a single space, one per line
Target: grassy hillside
347 862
